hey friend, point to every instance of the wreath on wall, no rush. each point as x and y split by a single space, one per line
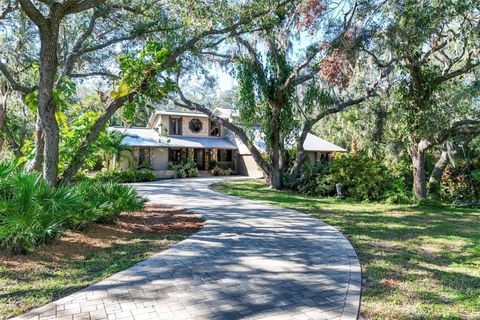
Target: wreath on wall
195 125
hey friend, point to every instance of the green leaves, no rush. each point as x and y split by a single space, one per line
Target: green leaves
146 72
122 90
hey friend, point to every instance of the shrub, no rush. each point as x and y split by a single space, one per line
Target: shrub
32 212
362 177
314 180
217 171
104 201
184 170
126 176
213 164
462 182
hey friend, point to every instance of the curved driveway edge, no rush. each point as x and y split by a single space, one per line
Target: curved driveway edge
250 261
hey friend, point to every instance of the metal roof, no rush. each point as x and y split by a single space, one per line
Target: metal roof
182 114
146 137
314 143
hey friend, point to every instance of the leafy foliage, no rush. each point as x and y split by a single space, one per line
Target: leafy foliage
106 200
462 182
217 171
185 169
126 176
362 177
32 212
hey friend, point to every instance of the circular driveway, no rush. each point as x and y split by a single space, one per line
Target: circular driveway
250 261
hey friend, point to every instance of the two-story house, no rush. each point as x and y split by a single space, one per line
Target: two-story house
171 135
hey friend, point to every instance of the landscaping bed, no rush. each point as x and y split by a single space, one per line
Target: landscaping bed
80 258
418 262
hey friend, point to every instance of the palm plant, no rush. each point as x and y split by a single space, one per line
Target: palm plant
31 211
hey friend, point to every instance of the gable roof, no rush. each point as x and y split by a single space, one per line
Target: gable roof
314 143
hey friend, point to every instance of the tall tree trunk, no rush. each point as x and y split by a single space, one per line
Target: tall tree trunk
275 178
446 156
417 154
37 163
300 157
3 112
79 157
437 173
46 103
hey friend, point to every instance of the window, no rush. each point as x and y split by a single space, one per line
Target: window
225 155
195 125
174 155
214 129
175 126
143 157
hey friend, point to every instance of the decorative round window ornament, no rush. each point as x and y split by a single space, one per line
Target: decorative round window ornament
195 125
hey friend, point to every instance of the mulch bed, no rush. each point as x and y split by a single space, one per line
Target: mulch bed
157 220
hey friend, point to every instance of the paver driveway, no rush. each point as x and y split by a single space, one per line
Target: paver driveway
251 260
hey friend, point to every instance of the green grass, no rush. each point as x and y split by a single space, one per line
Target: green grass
417 262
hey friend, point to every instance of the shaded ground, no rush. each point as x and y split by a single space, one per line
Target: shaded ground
78 259
418 262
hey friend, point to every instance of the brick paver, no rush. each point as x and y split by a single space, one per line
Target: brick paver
250 261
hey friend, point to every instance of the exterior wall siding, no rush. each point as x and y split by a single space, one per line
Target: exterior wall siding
159 158
247 166
163 125
187 132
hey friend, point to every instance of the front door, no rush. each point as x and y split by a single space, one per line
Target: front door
199 158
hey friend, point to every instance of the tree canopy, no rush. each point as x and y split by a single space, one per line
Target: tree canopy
395 80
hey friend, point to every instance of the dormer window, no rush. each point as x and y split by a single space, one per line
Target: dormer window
214 129
175 126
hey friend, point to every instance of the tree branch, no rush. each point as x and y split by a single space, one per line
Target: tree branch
76 6
466 126
190 105
13 83
461 71
33 13
256 61
95 74
70 61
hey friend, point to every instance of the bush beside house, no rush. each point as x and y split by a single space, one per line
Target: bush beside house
126 176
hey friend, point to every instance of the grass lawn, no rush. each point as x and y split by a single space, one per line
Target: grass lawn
417 262
78 259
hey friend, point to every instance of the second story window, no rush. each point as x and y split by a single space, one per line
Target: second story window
214 129
175 126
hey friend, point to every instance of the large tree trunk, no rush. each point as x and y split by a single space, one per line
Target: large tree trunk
275 177
91 137
46 104
300 157
37 163
435 178
434 182
417 155
3 111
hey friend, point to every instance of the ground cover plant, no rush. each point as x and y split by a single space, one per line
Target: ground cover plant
418 262
32 212
79 258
